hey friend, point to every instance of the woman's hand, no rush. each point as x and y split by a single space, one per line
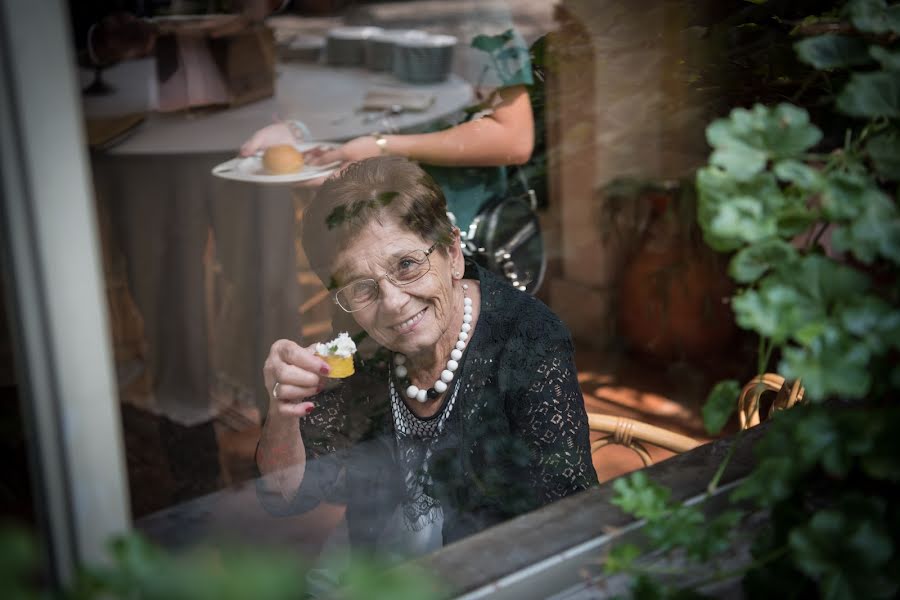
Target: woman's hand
299 374
354 150
270 135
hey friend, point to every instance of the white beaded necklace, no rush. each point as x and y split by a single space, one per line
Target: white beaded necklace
447 375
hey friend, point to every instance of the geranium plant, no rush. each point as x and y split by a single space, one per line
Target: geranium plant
813 230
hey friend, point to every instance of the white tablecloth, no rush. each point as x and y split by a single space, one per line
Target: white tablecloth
326 98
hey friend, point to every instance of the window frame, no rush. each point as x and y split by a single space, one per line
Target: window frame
56 292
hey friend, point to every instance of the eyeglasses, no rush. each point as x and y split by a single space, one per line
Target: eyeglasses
363 292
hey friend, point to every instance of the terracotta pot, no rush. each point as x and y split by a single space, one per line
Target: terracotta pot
674 301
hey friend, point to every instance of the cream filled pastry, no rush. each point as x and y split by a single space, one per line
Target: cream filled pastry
338 353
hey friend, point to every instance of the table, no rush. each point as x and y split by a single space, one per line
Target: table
325 98
209 320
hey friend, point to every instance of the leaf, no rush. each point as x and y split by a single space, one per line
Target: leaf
794 220
761 134
874 16
824 281
720 405
871 95
884 152
385 198
875 232
647 588
829 368
798 173
771 481
873 321
336 217
717 189
752 262
744 218
871 546
831 51
739 159
811 544
620 558
775 310
890 61
846 194
638 496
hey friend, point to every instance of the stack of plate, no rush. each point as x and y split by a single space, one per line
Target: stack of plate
300 47
380 47
423 60
346 46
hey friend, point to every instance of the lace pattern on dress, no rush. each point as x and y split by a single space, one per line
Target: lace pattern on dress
415 443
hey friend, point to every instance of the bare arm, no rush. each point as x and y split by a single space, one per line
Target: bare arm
281 456
503 137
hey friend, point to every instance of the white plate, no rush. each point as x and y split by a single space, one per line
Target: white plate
251 169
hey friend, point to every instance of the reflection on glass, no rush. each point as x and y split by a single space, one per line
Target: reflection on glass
205 275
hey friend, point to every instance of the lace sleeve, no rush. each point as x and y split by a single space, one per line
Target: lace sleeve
547 411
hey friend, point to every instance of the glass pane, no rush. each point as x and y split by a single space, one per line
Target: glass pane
20 533
210 260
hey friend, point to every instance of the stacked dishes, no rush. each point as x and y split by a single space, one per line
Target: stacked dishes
380 47
423 59
346 46
307 48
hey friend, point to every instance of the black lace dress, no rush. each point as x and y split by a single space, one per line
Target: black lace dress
514 438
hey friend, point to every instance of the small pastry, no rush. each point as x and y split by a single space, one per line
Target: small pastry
282 159
338 353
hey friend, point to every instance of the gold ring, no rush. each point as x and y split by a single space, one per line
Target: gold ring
275 391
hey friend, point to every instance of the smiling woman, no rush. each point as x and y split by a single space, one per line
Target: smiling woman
469 414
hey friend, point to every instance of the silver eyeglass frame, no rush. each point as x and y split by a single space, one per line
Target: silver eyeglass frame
387 276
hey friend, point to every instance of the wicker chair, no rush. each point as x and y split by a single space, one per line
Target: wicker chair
787 395
632 434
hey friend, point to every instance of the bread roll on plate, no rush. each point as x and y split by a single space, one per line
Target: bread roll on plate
282 159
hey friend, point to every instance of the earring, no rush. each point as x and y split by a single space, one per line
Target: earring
456 275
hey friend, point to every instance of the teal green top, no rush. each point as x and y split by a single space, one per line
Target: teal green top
494 62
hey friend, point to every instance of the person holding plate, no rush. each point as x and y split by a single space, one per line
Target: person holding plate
468 154
470 411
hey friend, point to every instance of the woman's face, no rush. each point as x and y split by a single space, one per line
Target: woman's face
413 318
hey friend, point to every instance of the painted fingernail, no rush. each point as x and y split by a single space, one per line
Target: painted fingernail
309 409
324 369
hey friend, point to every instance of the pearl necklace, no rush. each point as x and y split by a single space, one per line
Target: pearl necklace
447 375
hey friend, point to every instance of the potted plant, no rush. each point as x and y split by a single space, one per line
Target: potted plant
673 289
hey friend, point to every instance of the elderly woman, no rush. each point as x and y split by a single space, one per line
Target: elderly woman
419 458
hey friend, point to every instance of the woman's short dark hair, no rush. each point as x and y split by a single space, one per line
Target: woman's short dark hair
375 189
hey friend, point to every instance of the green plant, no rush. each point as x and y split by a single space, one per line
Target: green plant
814 233
139 570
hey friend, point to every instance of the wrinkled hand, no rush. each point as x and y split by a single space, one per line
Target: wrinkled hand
354 150
270 135
300 375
